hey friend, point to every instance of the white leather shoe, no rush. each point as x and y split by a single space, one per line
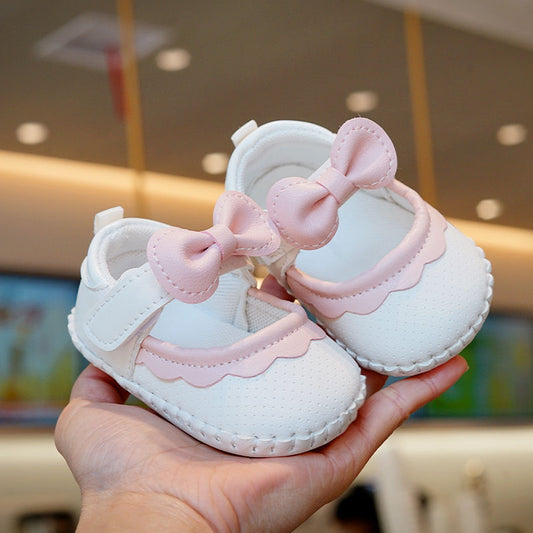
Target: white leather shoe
235 368
396 285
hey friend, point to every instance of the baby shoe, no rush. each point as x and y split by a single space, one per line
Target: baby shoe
174 317
393 282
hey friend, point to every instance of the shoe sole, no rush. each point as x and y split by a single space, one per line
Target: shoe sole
249 446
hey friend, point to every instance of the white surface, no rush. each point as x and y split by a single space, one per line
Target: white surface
310 398
396 498
83 40
430 322
413 330
291 399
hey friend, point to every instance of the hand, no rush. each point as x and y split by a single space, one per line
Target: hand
137 472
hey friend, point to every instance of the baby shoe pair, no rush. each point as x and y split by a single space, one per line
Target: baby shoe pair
175 318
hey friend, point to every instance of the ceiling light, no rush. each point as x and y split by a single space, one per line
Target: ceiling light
31 133
173 59
511 134
215 163
362 101
489 209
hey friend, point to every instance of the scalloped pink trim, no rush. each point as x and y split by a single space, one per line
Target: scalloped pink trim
289 337
399 270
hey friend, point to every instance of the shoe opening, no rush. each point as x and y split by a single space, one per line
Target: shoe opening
126 248
280 155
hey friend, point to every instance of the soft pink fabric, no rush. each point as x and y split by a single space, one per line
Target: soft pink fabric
336 184
305 212
400 269
187 263
287 338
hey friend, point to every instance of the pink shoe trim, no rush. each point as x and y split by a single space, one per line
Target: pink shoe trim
289 337
399 270
187 264
305 210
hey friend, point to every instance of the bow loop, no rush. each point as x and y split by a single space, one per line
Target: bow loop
305 211
223 238
187 264
335 182
255 233
364 153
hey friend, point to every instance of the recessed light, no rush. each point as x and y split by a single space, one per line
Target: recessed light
215 163
31 133
489 209
511 134
173 59
362 101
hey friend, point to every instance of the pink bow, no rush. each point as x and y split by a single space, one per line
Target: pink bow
187 264
305 212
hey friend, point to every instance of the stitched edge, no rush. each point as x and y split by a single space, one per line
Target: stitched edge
236 178
161 234
286 236
257 250
190 365
262 216
392 276
379 137
433 360
336 225
182 419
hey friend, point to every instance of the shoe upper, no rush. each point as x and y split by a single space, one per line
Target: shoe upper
240 370
392 281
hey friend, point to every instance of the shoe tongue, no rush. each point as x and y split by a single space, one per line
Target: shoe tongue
228 303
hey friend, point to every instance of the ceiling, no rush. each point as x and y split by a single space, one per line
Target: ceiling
286 60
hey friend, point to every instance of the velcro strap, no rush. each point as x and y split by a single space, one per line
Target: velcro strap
134 299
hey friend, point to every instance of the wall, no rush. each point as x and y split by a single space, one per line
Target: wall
47 207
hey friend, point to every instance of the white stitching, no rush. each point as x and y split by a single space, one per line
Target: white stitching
372 132
336 224
459 344
261 349
287 237
222 200
337 298
177 412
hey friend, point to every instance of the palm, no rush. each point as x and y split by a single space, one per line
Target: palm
121 446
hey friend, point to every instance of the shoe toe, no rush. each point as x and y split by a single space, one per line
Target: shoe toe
295 405
421 327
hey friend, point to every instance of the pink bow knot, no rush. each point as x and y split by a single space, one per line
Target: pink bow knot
305 211
336 184
187 264
223 238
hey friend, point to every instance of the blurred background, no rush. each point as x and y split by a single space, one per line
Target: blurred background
133 104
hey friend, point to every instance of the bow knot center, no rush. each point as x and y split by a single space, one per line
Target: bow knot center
337 184
224 239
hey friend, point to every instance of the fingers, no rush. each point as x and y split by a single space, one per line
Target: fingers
374 381
96 386
387 409
92 385
271 286
390 407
